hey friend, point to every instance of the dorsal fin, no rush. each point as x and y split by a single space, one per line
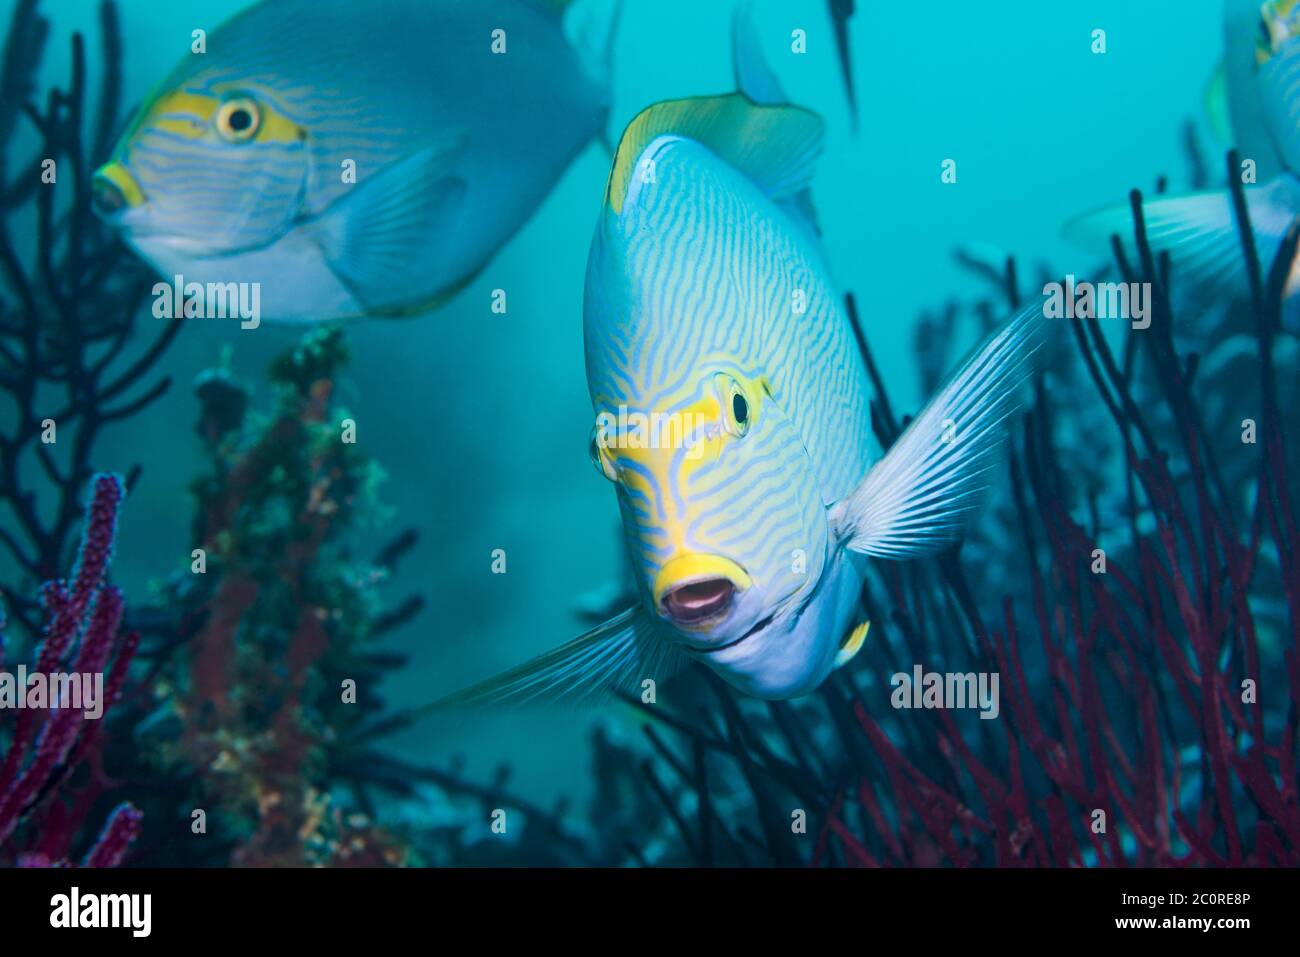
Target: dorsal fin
776 146
754 76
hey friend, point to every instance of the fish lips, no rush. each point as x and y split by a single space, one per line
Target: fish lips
747 614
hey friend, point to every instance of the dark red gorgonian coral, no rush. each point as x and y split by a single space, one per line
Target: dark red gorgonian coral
40 815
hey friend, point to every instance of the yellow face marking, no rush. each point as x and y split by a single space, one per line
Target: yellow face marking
707 424
194 115
182 112
658 453
693 566
278 129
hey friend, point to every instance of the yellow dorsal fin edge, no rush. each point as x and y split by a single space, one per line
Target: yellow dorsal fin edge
776 146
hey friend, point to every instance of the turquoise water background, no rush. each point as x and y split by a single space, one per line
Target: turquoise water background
481 421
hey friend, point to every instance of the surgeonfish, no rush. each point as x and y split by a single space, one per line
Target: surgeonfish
733 418
1234 103
1199 230
357 159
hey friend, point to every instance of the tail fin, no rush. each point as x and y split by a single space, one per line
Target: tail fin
590 26
1199 232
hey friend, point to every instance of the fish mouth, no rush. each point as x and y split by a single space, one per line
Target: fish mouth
114 191
696 590
695 602
735 641
797 600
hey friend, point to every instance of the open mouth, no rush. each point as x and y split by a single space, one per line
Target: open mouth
698 601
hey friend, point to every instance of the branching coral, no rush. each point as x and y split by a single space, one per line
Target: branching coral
43 800
68 307
275 699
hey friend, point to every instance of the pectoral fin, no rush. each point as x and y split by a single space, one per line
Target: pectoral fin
853 643
615 656
915 500
375 239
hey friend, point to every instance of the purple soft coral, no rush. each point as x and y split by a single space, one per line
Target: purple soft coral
83 634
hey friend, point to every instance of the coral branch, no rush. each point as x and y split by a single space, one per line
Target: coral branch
51 738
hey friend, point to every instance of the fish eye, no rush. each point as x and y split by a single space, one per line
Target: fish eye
600 457
739 409
736 405
238 120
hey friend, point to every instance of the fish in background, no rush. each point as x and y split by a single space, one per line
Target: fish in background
1233 104
1258 90
237 168
750 510
841 12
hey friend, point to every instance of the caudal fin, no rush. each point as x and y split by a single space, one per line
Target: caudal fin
590 27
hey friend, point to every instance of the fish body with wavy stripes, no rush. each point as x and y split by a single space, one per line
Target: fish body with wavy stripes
733 414
709 303
356 159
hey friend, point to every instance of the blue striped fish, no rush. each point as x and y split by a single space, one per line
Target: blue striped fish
733 416
1277 59
1199 230
1233 101
356 159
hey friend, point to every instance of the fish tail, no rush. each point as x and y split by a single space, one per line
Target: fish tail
590 26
